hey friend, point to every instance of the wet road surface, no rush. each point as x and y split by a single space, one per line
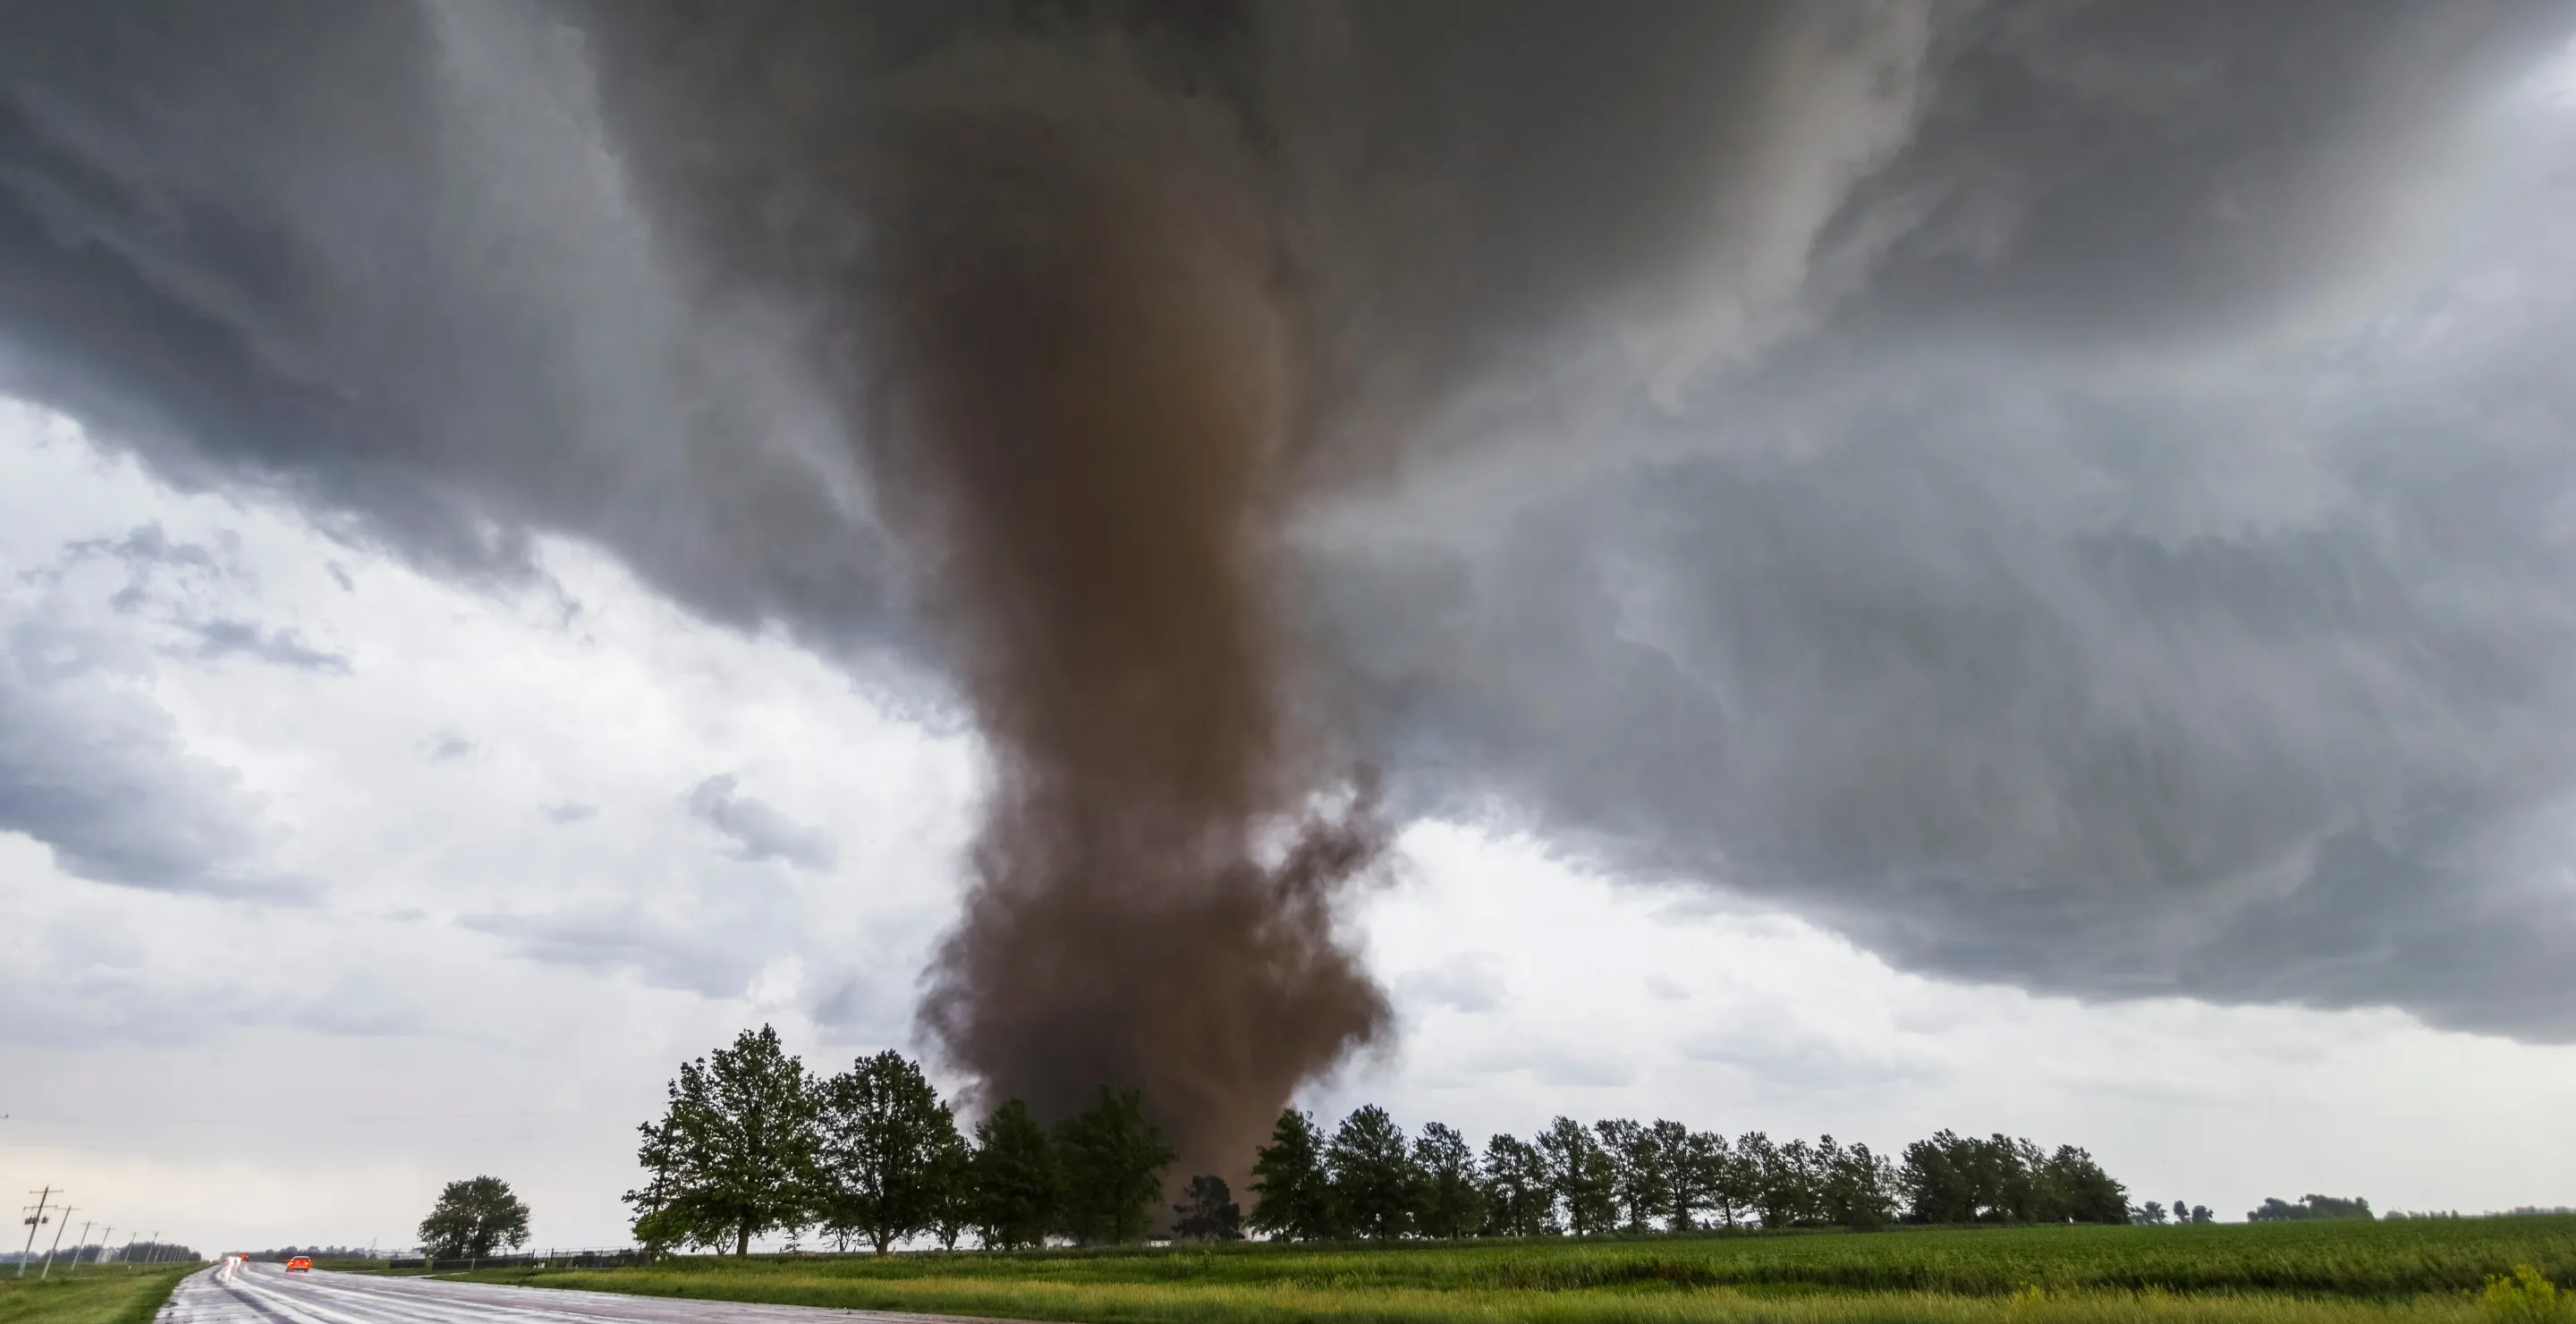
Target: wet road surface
238 1293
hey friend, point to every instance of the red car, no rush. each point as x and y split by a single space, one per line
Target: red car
299 1265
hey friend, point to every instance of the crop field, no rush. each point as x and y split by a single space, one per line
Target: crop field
94 1294
2286 1272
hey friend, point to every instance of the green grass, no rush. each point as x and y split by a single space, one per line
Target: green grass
2292 1273
108 1294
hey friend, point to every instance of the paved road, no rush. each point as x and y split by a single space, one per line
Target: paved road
237 1293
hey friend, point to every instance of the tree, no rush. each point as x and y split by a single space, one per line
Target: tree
884 1134
2081 1189
1939 1184
1641 1180
1017 1184
1518 1202
1738 1184
1374 1184
659 1224
1777 1178
1295 1197
1952 1179
1855 1188
1451 1203
2153 1211
953 1202
1207 1212
733 1155
1113 1161
472 1219
1701 1163
1580 1176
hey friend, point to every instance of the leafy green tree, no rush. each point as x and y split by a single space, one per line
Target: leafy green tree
1207 1212
1699 1162
733 1155
1953 1179
1855 1187
1018 1187
1295 1195
1452 1202
1739 1184
1667 1146
1641 1180
1779 1178
659 1224
953 1200
2079 1190
1374 1183
1580 1176
1518 1200
884 1133
1938 1185
473 1219
1113 1160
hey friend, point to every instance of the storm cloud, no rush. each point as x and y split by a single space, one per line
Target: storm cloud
2073 496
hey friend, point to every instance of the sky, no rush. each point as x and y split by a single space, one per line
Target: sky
1965 638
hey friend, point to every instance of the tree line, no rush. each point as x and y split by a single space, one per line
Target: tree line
2277 1210
134 1252
751 1144
1369 1180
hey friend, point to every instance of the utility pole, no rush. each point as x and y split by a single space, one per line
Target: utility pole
35 1220
154 1241
127 1258
105 1235
62 1220
72 1265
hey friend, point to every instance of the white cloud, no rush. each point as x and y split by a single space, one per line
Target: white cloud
510 952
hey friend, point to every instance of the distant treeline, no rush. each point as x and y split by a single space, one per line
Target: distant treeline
284 1253
752 1145
140 1252
2278 1210
2518 1211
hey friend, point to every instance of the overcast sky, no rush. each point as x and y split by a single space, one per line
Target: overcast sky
1984 640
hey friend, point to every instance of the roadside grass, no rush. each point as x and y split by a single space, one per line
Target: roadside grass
2294 1273
350 1263
95 1295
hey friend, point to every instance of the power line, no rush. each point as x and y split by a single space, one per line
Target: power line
35 1219
62 1220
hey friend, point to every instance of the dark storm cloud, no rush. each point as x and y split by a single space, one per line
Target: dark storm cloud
2175 173
1974 602
759 832
375 258
2130 684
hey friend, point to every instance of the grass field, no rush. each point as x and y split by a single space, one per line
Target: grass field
2294 1272
94 1295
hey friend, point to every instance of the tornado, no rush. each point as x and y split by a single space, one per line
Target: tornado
1082 374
